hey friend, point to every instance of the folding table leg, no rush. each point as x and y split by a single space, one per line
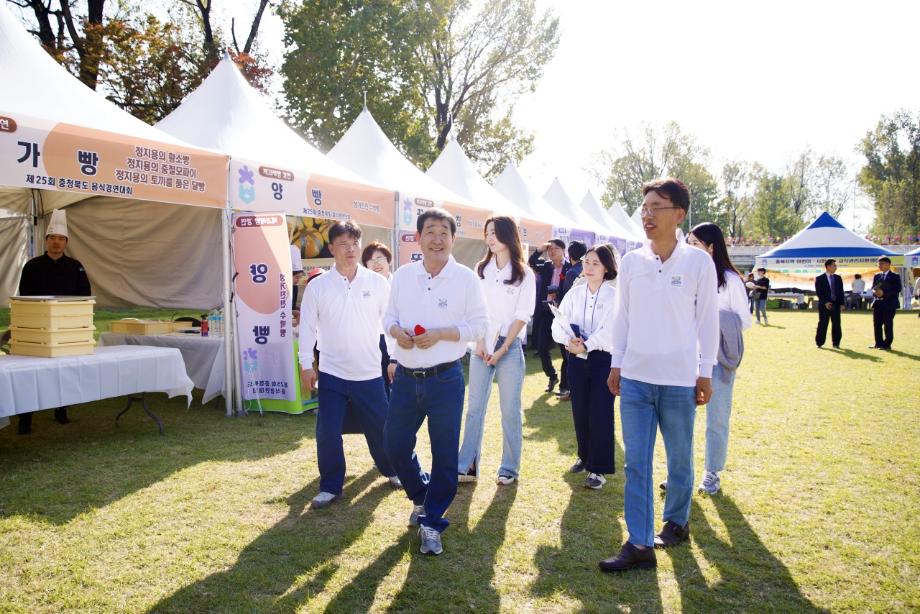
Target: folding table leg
143 400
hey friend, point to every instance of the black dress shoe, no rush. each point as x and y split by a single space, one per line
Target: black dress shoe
836 347
60 414
672 534
553 380
630 557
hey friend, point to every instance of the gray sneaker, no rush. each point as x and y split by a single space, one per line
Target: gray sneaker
595 481
431 540
322 500
394 482
417 510
710 484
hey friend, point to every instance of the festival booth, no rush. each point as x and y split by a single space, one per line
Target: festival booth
912 260
283 191
799 260
512 186
133 196
560 200
454 170
609 231
365 150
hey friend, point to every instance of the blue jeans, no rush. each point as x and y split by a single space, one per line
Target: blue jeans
367 403
509 371
718 412
592 411
440 399
644 408
761 305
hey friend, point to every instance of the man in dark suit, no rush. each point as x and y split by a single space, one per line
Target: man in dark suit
830 299
886 287
550 273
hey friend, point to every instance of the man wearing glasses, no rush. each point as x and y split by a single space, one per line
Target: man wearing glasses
341 313
665 338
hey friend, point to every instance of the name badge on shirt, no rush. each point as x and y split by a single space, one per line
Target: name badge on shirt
442 303
366 293
677 281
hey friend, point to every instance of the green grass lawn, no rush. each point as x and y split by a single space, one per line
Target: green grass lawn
818 510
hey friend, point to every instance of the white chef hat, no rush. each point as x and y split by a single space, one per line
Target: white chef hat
58 224
296 262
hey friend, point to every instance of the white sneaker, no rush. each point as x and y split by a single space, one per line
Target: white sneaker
394 482
431 540
322 500
417 510
504 479
595 481
711 484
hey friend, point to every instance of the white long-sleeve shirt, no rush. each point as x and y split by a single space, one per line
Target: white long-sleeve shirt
507 303
666 316
452 298
733 297
593 313
343 319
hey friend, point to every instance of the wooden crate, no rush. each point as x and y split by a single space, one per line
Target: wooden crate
133 326
50 313
27 348
52 337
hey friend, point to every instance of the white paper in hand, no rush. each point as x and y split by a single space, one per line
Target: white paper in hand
566 326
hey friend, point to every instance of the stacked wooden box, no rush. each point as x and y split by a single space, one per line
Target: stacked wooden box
135 326
51 326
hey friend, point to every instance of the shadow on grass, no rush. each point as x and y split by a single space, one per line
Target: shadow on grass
302 543
61 471
904 354
465 572
589 532
750 576
848 353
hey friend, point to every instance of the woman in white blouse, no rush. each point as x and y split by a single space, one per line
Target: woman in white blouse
587 334
510 291
733 302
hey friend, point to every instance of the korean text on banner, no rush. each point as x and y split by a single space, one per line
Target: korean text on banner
262 266
256 187
36 153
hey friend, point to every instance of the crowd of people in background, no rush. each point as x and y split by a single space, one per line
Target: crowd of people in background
659 331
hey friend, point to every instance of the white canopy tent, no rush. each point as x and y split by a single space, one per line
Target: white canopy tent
455 170
366 150
608 229
512 186
559 199
228 114
121 228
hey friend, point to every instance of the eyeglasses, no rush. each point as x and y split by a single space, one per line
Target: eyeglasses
647 212
378 260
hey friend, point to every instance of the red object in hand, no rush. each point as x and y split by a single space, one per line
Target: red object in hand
419 329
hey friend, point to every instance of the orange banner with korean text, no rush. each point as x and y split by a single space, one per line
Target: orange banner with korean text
260 187
36 153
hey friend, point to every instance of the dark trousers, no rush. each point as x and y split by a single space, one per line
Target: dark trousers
367 403
384 364
883 322
592 411
439 398
543 339
825 315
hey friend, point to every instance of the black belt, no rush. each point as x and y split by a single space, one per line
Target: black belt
422 373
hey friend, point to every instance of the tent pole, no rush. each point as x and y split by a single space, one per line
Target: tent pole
229 332
36 241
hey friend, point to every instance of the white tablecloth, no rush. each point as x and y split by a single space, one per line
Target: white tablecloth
204 356
29 383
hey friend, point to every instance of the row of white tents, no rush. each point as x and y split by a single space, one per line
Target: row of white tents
149 206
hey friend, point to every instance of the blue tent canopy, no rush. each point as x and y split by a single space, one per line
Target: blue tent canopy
822 239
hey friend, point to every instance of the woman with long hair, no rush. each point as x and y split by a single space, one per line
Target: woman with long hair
734 317
510 290
588 308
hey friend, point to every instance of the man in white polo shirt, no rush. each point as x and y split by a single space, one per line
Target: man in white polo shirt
436 308
665 338
341 313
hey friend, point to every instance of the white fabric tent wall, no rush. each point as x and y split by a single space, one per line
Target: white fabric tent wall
610 227
512 186
366 150
43 89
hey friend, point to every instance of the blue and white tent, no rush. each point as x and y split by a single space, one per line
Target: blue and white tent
912 259
801 258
